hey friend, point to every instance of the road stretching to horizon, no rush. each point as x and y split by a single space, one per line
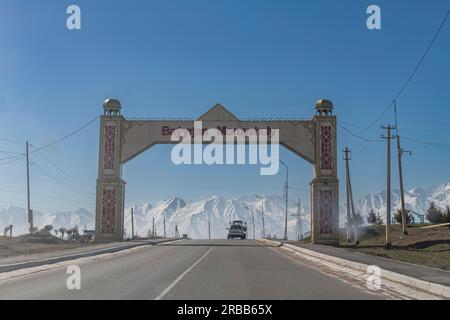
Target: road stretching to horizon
190 269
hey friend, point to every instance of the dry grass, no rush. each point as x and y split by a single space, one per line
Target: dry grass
33 244
429 247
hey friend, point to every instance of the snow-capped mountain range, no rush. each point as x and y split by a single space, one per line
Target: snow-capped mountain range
191 217
417 199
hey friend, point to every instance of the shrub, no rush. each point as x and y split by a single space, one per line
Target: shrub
446 215
358 219
371 218
398 217
434 214
379 220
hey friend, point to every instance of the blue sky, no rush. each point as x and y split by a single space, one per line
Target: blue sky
178 58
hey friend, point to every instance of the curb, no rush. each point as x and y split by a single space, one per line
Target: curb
426 286
54 260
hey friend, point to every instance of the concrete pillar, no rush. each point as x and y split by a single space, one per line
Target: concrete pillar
325 184
110 186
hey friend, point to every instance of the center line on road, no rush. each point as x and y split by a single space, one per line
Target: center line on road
173 284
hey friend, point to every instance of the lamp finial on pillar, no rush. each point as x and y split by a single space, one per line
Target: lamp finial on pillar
324 107
111 107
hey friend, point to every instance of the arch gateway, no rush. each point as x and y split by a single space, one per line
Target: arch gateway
123 139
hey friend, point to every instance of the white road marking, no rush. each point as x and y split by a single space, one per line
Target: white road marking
173 284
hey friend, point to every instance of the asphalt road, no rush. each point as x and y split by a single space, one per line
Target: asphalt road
190 269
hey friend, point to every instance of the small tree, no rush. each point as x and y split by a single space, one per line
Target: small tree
56 232
10 230
5 232
446 215
434 214
398 217
69 234
359 220
74 234
378 220
47 228
371 218
62 231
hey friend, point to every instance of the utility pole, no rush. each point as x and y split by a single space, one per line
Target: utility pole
350 203
388 184
253 223
262 215
263 225
400 152
30 213
164 225
153 228
299 221
209 228
347 158
286 186
355 227
132 223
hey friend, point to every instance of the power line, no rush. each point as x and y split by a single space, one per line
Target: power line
8 158
376 120
48 144
11 152
21 206
408 80
63 171
13 160
63 184
66 136
357 135
41 196
299 189
429 143
423 56
11 141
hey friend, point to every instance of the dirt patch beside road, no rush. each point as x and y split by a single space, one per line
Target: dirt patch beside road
26 245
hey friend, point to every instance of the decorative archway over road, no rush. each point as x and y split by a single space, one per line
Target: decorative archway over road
121 140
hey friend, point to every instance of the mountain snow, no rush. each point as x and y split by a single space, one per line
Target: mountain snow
417 199
191 217
18 217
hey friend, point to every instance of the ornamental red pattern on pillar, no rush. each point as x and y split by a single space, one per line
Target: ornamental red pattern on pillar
110 147
108 211
326 151
326 211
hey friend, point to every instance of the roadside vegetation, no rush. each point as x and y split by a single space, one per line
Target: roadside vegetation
428 247
42 240
426 244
